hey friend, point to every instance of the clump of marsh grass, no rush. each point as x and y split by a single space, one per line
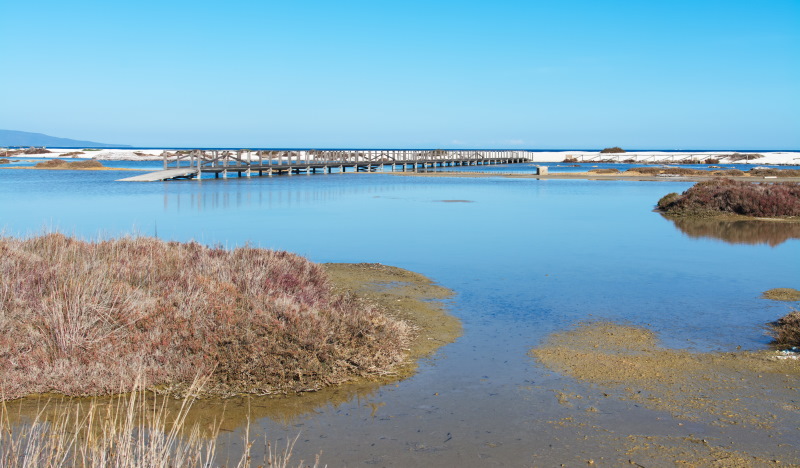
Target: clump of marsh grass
61 164
786 330
604 171
135 431
782 294
86 318
727 196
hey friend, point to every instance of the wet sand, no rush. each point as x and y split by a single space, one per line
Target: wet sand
754 391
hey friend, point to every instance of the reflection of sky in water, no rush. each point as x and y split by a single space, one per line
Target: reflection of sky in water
543 251
526 258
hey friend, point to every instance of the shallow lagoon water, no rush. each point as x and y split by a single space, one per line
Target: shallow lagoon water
525 258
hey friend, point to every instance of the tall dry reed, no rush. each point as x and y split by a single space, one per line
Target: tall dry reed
134 432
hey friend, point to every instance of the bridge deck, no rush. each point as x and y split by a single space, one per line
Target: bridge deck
247 163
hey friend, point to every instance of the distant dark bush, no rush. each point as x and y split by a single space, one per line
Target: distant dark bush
629 161
711 161
742 156
615 149
666 170
786 330
727 196
604 171
729 173
570 159
775 172
33 150
61 164
4 161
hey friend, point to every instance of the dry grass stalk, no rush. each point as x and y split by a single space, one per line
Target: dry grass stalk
134 432
85 318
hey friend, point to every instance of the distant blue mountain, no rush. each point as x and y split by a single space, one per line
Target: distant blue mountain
15 138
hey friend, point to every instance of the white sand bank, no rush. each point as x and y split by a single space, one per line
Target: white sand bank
769 158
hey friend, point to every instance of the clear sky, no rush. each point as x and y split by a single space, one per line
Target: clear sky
436 74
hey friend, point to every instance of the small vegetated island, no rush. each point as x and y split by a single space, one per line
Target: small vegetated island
90 318
727 197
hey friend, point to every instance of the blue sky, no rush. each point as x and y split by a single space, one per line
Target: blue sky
501 74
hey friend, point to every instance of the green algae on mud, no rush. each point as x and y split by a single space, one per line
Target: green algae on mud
782 294
729 391
689 385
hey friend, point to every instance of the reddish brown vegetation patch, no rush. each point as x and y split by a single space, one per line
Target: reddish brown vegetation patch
726 196
84 318
683 171
786 330
604 171
60 164
775 172
4 161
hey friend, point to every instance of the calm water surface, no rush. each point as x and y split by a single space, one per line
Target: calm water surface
525 258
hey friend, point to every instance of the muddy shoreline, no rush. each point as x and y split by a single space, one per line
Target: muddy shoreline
754 391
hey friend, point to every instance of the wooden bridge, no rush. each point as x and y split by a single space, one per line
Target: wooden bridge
193 164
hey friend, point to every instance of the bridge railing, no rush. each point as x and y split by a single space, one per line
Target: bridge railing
243 159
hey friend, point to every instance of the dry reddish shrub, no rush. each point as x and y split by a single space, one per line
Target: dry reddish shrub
34 150
711 161
728 173
775 172
727 196
61 164
86 318
666 170
786 330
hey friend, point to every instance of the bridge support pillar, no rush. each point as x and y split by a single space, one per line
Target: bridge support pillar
225 174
